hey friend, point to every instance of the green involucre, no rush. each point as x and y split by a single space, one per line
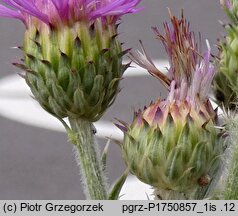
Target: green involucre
74 71
178 158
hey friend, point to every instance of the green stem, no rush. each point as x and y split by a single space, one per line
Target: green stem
231 187
83 138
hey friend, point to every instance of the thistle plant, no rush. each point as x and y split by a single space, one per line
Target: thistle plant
174 144
72 62
73 65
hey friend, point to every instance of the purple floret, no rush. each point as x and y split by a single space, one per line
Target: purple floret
53 12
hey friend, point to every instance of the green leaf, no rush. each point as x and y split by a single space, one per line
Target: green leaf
115 192
104 155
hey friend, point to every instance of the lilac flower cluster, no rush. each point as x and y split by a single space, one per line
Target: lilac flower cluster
190 74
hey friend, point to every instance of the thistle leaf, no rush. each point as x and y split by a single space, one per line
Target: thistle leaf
115 192
104 155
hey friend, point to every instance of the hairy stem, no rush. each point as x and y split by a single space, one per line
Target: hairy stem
231 188
92 173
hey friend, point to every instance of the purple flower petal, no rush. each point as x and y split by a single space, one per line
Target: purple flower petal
202 77
27 7
67 11
62 6
6 12
116 8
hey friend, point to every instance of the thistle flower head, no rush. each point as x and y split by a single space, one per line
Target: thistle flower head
173 143
55 13
72 55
